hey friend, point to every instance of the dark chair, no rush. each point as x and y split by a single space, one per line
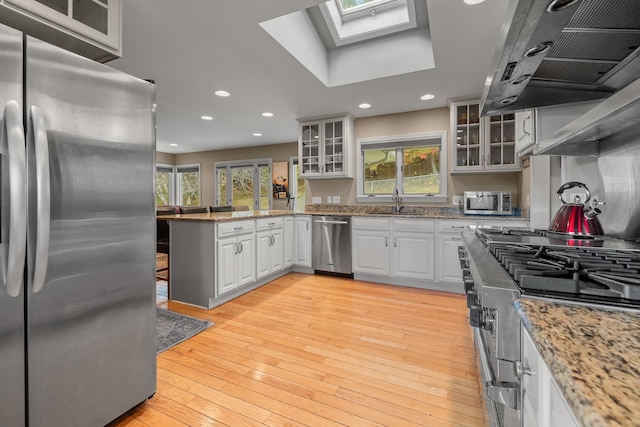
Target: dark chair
162 234
221 208
193 209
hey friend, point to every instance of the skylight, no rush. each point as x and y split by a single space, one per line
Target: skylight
349 5
351 21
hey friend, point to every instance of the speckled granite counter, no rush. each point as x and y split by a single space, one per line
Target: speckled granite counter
383 211
226 216
593 355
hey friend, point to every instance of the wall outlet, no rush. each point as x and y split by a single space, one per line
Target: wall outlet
329 199
336 199
316 200
456 200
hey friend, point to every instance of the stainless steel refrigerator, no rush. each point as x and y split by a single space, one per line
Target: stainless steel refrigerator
77 257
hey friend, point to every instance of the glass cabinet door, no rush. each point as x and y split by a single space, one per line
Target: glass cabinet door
501 140
310 146
333 147
468 139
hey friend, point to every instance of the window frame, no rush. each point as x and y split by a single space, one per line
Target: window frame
401 141
178 182
255 164
293 183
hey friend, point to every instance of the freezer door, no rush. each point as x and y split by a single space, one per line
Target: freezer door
12 374
91 235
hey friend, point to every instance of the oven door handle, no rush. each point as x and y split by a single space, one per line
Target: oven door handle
504 393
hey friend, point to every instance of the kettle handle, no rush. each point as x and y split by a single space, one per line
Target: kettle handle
573 184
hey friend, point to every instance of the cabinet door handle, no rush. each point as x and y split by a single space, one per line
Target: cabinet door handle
524 127
395 242
240 244
386 241
307 225
456 239
237 228
235 249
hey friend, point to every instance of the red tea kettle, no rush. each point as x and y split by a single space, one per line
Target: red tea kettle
573 218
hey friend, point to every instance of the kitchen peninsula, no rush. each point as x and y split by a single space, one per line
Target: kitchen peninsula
218 256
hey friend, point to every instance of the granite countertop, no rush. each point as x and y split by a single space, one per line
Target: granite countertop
226 216
593 355
364 211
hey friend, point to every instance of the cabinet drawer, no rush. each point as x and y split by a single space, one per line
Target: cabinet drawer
452 226
413 225
268 223
381 224
235 227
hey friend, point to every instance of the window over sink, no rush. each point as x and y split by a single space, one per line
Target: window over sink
412 165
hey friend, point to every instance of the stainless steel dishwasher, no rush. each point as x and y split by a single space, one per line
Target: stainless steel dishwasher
332 244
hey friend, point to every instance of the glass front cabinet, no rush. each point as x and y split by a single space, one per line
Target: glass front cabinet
91 28
482 144
325 148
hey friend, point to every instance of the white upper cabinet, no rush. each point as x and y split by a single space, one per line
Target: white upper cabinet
91 28
525 131
482 144
326 148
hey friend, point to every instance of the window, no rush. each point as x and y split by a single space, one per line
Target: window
250 183
414 164
296 186
164 184
349 5
351 21
188 180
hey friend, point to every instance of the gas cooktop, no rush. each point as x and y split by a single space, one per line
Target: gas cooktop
598 269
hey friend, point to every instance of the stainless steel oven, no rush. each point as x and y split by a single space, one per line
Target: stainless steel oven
502 265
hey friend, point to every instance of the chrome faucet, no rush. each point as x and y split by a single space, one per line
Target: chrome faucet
396 198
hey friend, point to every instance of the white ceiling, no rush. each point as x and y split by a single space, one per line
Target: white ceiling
192 48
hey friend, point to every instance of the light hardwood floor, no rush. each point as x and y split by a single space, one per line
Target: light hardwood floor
321 351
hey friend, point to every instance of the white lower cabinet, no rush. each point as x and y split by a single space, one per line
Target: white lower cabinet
302 241
370 246
235 259
269 246
399 248
449 239
413 249
287 241
543 404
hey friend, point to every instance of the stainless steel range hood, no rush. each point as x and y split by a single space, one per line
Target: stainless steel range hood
563 51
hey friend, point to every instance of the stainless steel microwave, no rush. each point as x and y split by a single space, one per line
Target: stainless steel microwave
487 203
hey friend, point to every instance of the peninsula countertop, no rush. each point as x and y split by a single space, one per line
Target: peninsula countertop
593 355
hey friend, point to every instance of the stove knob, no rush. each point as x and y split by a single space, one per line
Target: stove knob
469 285
472 299
464 263
476 316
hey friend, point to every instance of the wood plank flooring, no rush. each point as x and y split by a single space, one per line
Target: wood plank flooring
321 351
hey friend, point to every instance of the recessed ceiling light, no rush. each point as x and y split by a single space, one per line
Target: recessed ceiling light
173 145
472 2
427 97
364 105
222 93
267 114
206 117
257 134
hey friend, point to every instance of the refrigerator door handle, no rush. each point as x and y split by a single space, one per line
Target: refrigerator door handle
43 202
17 246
